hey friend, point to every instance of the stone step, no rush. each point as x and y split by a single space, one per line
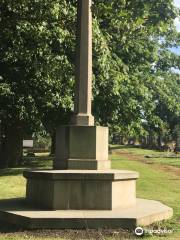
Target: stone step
144 213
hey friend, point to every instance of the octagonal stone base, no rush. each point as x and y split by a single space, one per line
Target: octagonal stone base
145 212
81 190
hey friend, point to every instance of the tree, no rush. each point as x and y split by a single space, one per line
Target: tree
33 68
136 37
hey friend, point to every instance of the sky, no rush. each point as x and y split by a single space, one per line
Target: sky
177 3
177 23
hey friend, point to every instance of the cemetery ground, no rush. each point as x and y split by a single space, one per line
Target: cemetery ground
159 180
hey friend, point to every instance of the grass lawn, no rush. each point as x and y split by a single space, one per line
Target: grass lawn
155 156
154 184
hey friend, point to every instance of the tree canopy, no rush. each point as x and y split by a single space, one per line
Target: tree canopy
137 36
135 86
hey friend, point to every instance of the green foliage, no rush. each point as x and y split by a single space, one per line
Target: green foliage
136 36
133 80
35 72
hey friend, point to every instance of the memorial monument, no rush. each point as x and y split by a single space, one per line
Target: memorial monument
82 191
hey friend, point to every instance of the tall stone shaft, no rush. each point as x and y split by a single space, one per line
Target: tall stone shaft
83 92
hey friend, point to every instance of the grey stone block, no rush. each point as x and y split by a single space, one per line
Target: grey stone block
81 147
88 190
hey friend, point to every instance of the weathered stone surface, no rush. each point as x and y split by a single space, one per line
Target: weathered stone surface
88 190
145 212
88 164
109 175
83 93
82 147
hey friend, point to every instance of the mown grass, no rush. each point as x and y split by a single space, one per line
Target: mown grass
175 162
155 156
12 182
153 184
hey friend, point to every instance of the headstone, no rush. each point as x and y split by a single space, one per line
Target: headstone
28 143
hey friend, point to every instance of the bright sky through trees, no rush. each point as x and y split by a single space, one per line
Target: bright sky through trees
177 3
177 23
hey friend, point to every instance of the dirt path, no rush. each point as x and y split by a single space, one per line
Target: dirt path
135 157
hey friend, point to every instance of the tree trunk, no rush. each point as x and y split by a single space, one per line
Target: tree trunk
159 141
178 141
53 144
11 147
150 141
143 142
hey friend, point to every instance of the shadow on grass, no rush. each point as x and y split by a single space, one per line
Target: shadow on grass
8 205
11 171
38 163
9 228
26 158
122 147
28 163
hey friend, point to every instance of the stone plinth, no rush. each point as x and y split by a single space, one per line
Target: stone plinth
81 190
82 147
144 213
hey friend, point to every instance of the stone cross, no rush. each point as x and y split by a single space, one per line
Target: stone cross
83 92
